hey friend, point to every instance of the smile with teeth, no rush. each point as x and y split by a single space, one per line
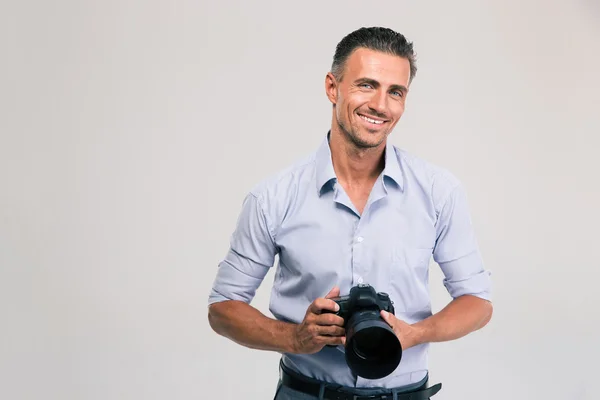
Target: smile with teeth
371 120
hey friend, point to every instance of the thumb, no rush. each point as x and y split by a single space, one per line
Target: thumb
334 292
387 317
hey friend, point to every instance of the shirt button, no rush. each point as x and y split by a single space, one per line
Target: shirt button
360 239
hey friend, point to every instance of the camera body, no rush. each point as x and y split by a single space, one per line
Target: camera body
363 297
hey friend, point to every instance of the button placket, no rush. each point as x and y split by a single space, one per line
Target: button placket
358 251
356 254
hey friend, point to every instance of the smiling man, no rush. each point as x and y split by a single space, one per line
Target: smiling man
357 211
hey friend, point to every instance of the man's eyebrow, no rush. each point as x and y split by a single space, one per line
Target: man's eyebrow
374 83
401 88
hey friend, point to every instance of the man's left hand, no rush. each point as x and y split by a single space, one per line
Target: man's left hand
409 335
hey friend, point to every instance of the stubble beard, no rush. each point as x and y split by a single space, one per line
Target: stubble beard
352 135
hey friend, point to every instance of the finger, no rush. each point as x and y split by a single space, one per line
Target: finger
321 304
331 330
387 317
329 319
334 292
332 340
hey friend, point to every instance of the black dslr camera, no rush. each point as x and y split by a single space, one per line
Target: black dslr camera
373 350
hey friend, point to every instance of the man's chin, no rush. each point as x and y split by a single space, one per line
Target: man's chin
370 139
367 144
364 139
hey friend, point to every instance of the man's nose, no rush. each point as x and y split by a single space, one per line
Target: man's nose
378 102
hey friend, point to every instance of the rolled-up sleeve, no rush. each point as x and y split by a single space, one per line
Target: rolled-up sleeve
456 250
250 256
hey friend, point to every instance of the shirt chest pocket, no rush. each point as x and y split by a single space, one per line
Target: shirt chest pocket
410 277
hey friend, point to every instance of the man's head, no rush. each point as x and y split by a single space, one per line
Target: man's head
368 83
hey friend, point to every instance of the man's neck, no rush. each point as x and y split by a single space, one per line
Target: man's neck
355 166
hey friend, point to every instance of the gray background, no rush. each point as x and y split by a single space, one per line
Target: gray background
131 131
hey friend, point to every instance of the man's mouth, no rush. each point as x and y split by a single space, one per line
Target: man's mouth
372 120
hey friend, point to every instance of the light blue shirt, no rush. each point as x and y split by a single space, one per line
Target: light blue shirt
415 211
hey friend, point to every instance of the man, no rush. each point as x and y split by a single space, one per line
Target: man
357 211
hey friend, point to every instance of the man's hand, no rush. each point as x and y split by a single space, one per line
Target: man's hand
409 335
320 328
460 317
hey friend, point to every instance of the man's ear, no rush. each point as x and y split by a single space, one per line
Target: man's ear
331 86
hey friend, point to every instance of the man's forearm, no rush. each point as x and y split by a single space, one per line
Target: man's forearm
460 317
247 326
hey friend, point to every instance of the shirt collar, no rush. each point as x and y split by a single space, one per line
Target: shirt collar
392 165
325 172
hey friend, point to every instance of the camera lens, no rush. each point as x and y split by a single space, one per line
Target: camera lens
373 350
372 343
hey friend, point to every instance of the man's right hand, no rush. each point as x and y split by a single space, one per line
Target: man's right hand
319 328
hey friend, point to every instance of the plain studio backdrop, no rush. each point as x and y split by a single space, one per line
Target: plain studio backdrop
131 132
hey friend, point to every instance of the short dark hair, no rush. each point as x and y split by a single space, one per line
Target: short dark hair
374 38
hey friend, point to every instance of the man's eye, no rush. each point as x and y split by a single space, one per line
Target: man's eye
397 93
366 85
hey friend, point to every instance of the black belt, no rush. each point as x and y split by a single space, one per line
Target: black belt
295 382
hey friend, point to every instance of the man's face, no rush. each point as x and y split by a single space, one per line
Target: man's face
370 98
